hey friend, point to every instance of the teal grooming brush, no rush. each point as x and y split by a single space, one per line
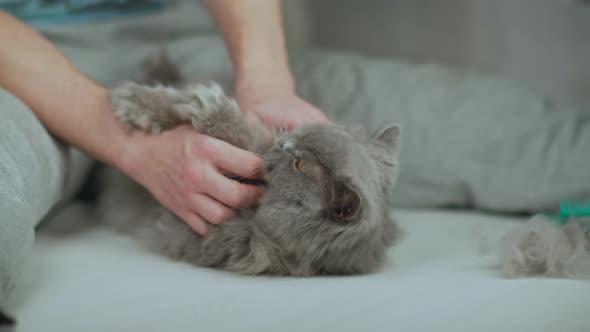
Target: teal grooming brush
568 210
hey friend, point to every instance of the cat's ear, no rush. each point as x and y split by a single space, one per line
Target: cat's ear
346 202
388 135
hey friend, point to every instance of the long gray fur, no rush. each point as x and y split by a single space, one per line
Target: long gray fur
332 218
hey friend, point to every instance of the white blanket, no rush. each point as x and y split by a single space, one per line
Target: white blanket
89 279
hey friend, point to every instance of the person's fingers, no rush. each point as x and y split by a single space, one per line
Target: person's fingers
210 209
252 120
236 161
195 222
321 117
230 192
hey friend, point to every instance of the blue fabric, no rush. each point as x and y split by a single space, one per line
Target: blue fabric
43 12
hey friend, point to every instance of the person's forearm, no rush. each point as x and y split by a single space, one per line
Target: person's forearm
71 106
253 33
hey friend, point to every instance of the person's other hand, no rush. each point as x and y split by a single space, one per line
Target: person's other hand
276 104
184 169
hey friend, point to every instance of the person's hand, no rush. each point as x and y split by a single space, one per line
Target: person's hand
276 103
183 170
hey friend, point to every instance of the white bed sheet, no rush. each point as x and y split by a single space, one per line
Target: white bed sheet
85 278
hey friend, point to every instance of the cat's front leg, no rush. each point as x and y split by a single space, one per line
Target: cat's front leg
149 108
159 108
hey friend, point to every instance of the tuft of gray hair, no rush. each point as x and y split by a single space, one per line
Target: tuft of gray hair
159 70
542 247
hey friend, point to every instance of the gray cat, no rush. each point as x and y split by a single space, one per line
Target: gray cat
326 204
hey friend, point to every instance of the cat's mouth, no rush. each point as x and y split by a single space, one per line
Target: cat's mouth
268 165
271 158
254 182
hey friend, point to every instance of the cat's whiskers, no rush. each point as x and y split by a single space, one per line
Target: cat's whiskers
281 130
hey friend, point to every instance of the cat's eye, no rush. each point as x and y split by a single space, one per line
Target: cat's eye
300 165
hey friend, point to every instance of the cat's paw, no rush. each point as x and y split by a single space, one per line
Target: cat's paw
212 112
211 106
150 108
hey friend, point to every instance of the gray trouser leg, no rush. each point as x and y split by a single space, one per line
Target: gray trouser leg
36 174
23 197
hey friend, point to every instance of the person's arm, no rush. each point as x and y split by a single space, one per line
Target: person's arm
71 106
178 167
253 33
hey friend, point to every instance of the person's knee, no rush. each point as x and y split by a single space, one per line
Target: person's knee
35 168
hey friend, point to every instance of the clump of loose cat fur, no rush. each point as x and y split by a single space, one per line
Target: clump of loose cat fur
543 247
326 207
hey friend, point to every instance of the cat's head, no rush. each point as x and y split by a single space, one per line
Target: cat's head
328 199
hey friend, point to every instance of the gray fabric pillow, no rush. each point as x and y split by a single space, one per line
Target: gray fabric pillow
467 140
36 174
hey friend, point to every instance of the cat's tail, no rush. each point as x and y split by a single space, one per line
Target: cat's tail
158 69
